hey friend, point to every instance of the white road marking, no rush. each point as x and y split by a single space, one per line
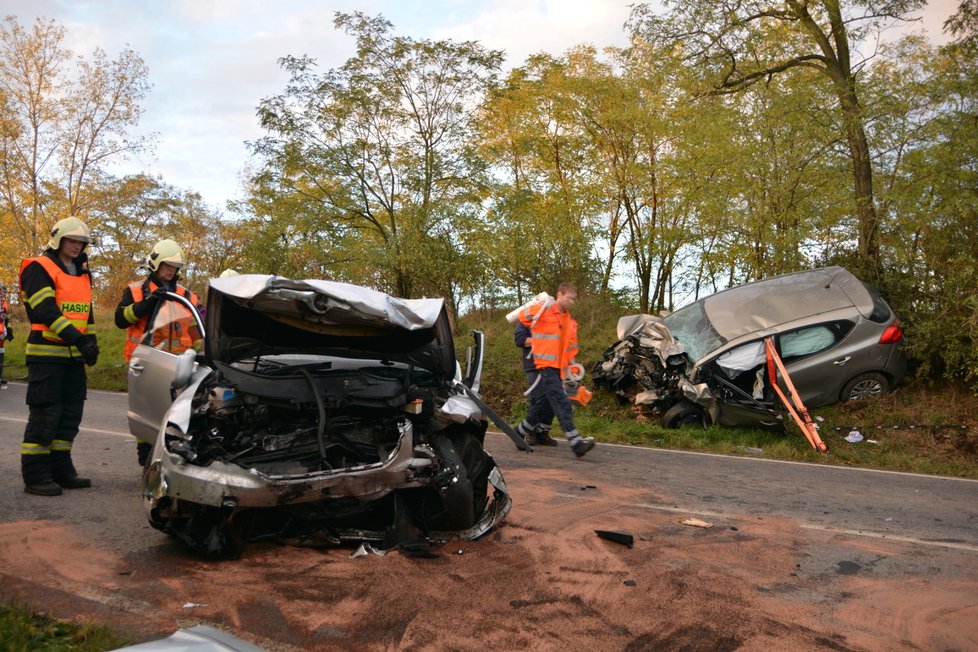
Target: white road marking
891 537
114 433
805 526
834 467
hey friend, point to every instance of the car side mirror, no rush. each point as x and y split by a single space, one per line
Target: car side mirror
184 370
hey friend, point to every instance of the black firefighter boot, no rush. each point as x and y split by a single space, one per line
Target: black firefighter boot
36 471
542 436
63 471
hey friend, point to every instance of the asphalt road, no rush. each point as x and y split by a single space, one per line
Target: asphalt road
928 510
836 521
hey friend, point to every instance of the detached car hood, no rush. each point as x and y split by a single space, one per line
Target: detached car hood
254 315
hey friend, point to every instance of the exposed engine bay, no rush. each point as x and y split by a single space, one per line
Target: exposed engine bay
289 419
355 454
647 366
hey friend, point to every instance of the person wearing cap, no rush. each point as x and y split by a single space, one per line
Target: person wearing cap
142 298
57 294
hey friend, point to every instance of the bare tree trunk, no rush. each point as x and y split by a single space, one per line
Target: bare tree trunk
862 171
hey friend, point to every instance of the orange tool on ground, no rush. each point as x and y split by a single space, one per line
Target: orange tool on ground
801 417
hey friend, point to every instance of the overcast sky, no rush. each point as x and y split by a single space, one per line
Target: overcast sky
212 61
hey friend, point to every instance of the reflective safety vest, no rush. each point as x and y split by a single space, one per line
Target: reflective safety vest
73 294
4 310
553 341
179 336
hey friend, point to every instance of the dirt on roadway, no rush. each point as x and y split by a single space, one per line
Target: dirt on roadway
543 581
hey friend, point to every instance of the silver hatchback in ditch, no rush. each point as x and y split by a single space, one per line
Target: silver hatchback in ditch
319 413
706 362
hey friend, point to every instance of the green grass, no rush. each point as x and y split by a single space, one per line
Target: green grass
22 629
108 373
900 440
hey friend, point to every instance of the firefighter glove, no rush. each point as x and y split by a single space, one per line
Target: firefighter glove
89 349
10 333
159 294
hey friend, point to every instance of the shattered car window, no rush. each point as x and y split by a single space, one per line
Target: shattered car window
692 327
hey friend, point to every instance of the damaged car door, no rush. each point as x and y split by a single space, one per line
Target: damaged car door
173 328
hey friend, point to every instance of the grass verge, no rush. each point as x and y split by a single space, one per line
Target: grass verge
22 629
109 373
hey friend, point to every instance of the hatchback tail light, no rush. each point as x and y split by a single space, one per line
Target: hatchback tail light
892 334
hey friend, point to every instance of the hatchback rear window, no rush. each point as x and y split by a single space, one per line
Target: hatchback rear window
881 312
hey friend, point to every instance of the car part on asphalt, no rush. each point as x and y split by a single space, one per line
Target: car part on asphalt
618 536
199 638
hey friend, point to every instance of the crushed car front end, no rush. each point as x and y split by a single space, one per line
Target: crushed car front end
325 414
707 362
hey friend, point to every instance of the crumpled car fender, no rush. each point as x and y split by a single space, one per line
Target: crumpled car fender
457 409
701 395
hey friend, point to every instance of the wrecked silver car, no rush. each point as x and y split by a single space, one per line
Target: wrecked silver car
320 413
707 363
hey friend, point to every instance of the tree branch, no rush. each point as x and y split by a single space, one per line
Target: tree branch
731 85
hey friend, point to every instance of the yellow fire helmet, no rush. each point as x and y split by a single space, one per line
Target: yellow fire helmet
166 251
70 227
228 273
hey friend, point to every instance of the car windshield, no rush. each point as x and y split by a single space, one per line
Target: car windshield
691 326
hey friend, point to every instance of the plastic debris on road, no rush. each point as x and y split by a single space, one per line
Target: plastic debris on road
618 536
854 437
364 550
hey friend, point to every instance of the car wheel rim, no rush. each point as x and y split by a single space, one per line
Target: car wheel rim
866 389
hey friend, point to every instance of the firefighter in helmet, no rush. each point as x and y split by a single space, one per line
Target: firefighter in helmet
145 299
57 294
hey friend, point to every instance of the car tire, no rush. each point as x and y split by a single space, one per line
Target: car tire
865 386
682 414
465 498
477 465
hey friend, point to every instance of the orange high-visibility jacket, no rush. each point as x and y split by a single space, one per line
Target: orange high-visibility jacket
73 296
553 337
4 311
182 332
